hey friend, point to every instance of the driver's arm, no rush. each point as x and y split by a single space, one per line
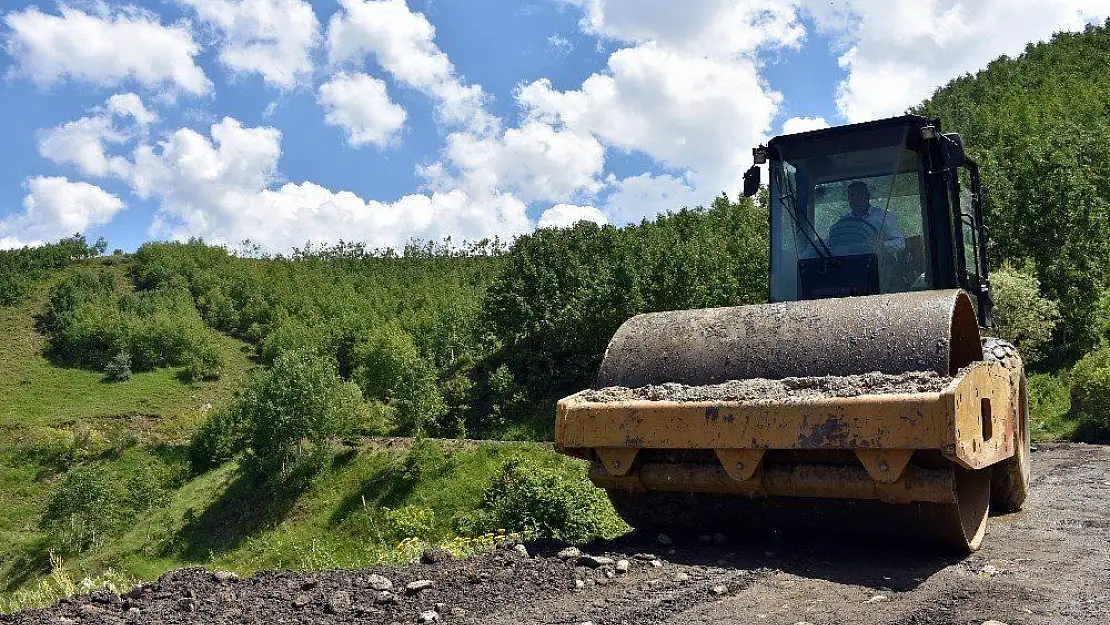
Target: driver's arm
892 233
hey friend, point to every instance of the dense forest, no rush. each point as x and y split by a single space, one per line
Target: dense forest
1039 125
442 341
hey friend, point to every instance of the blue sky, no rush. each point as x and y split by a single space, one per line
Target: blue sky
284 121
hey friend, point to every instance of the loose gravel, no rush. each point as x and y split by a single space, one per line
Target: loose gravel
790 388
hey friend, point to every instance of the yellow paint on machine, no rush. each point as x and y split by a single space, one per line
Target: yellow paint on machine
971 422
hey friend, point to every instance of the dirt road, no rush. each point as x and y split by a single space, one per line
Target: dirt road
1048 564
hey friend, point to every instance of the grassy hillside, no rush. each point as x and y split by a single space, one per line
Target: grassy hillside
365 508
96 483
36 392
53 418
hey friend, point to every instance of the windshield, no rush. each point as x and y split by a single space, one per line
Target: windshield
847 216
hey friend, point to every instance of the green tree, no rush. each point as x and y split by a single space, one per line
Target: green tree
1024 317
1090 392
1039 126
292 409
389 368
562 293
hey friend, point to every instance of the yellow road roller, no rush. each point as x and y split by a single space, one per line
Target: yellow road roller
869 379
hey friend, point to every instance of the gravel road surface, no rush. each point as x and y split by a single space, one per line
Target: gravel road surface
1047 564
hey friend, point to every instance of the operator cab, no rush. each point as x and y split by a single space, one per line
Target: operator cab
882 207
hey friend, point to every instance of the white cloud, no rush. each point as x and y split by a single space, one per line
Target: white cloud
565 215
718 28
403 44
273 38
535 161
795 125
645 195
225 188
85 143
701 115
104 47
359 104
54 208
895 61
131 105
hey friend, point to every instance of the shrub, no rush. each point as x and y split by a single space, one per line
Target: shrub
222 436
1049 406
98 501
545 501
388 367
1090 391
423 459
72 293
293 408
202 362
293 336
14 287
1024 317
1102 319
21 268
118 368
409 522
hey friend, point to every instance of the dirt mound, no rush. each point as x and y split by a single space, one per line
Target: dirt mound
457 591
790 388
1045 565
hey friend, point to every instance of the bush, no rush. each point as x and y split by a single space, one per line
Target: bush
118 368
1102 319
424 458
545 501
14 287
1049 406
21 268
293 336
292 409
388 367
88 325
1024 317
96 502
218 440
203 362
1090 392
409 522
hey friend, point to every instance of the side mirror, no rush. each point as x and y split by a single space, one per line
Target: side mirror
751 181
952 150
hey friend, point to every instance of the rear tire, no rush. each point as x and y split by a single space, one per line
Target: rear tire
1010 479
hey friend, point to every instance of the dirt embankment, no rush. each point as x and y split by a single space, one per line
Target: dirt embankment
788 388
1049 564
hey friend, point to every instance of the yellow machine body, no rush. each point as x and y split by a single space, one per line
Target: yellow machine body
971 422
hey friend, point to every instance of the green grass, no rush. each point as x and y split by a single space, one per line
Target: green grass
1050 407
34 392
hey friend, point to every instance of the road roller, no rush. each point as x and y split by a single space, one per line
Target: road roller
878 273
